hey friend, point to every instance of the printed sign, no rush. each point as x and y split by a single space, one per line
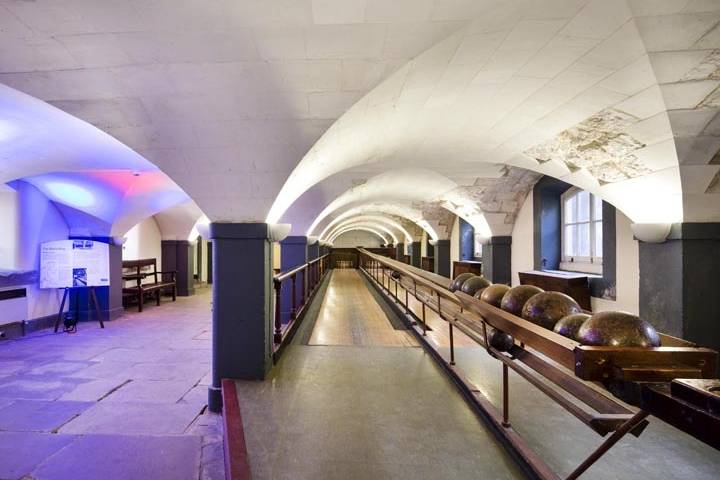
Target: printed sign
74 263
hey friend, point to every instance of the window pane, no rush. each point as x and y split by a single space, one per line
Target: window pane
569 209
598 207
583 233
583 207
570 233
598 239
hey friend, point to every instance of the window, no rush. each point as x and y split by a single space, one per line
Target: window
477 245
581 232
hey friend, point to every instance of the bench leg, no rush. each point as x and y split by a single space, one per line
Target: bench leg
174 292
159 291
141 296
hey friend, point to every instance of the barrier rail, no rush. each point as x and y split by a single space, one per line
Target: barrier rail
561 368
312 274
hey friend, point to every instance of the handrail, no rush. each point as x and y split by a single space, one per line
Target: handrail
426 279
561 368
313 272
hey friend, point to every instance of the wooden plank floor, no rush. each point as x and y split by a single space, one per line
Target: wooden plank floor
349 315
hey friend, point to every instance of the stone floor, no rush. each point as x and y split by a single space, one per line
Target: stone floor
127 402
375 409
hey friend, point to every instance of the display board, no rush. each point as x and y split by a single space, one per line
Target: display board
74 263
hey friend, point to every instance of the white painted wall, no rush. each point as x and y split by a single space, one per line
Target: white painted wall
144 241
31 219
356 238
455 242
628 270
627 258
277 256
8 228
522 241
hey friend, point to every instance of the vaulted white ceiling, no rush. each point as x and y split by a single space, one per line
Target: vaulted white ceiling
225 96
272 109
618 97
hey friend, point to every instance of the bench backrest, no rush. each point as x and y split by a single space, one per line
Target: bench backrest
138 266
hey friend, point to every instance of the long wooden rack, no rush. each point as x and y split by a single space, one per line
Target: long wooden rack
567 372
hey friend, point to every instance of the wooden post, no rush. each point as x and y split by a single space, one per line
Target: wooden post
293 310
506 398
302 286
278 323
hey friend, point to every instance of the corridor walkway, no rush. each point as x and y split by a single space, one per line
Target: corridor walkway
363 409
126 402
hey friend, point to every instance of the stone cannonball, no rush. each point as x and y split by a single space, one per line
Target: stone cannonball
459 280
514 299
474 284
494 294
618 329
568 326
547 308
501 341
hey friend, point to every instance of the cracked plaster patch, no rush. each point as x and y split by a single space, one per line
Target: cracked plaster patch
708 69
600 144
712 100
714 186
504 195
434 211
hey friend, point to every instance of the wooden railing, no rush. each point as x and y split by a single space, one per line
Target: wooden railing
561 368
312 274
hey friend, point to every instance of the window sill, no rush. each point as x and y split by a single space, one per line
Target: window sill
592 269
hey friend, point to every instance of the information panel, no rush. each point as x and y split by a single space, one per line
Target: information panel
74 263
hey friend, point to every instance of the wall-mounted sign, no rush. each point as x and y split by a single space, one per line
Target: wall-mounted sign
74 263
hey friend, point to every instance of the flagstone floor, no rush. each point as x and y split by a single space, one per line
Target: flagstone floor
125 402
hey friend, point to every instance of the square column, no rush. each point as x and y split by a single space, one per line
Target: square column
293 253
415 254
442 258
242 304
400 252
678 283
496 265
313 251
177 255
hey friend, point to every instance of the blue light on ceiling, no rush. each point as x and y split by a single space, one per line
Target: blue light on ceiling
70 194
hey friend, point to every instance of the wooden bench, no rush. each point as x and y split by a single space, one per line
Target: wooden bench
139 270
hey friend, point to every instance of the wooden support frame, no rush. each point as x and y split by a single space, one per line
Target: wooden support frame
552 363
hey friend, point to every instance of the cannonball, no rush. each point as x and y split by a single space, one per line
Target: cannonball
473 284
514 299
501 341
618 329
569 325
494 294
459 280
547 308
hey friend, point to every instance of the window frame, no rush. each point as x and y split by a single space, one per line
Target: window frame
586 264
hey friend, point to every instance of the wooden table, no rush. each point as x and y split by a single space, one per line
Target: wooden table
570 283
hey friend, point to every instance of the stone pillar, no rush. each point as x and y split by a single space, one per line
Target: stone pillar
242 321
177 255
209 263
400 252
109 298
293 253
678 283
442 258
313 251
415 254
496 259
